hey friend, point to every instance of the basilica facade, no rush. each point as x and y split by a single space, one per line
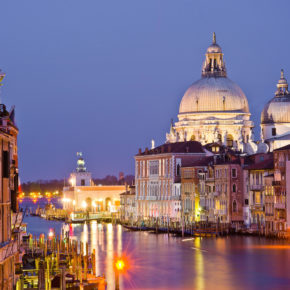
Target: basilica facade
214 108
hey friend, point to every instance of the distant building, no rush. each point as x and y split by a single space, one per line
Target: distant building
128 205
83 194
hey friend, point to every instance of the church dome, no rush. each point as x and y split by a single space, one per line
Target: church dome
277 110
214 92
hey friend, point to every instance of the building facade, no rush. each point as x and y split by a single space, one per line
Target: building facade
127 206
84 195
157 179
9 242
214 108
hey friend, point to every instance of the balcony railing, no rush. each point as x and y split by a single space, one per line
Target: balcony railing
257 187
275 183
279 205
151 197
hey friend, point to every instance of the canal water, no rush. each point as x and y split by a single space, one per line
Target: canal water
168 262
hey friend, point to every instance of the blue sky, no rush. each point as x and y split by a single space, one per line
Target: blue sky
106 77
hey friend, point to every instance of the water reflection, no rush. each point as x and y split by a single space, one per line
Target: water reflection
199 267
167 262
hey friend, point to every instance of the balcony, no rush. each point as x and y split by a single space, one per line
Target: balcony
8 249
276 183
151 197
279 205
259 187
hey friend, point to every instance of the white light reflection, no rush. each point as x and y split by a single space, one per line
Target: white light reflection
110 255
84 237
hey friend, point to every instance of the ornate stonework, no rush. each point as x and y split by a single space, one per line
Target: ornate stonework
214 108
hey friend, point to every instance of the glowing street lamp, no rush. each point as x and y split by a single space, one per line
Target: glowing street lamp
84 205
120 266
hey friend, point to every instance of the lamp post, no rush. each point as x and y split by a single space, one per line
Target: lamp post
119 266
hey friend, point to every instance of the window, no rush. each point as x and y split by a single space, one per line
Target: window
5 164
234 206
83 182
274 132
246 201
234 172
230 140
154 167
234 188
178 170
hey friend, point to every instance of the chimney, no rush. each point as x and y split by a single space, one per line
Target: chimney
242 161
139 151
146 150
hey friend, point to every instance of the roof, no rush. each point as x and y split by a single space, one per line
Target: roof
287 147
127 193
263 165
178 147
201 162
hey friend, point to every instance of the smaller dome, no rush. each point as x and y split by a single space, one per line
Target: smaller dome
277 110
214 48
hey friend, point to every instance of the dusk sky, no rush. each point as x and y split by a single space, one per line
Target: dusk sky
106 77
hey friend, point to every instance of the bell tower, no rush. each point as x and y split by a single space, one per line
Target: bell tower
81 177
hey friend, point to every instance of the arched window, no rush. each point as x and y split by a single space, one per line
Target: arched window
219 138
234 188
234 206
192 138
230 140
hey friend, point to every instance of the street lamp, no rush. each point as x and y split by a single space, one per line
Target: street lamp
119 266
84 205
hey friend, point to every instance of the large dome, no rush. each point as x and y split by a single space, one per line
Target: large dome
214 94
277 110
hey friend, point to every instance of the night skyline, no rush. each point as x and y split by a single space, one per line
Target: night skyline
106 81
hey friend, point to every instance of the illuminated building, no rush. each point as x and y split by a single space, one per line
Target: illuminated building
83 194
157 179
191 190
9 241
275 118
261 167
214 108
281 185
128 208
